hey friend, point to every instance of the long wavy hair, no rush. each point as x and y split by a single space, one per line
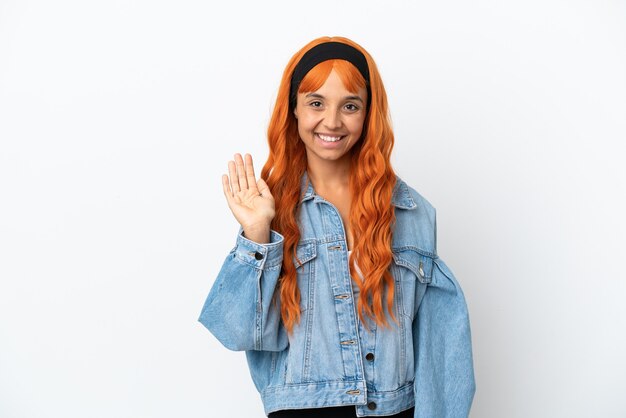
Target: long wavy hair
372 181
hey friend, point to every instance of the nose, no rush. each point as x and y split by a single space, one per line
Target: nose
332 119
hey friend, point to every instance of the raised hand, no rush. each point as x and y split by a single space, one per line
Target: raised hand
250 200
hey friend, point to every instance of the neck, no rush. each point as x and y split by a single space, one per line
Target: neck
329 175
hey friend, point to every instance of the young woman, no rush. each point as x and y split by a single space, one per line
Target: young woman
334 289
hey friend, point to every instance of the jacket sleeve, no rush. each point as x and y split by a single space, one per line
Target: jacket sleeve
240 310
444 372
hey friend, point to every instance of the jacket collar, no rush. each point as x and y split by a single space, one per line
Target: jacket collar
401 197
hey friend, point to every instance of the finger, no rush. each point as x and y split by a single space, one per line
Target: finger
250 172
232 174
264 189
226 186
241 172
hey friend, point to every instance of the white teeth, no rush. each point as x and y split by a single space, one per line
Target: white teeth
327 138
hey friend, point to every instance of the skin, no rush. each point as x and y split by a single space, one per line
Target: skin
249 200
331 112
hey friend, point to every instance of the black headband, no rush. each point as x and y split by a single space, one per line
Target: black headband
324 52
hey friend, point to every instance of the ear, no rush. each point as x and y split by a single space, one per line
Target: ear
295 113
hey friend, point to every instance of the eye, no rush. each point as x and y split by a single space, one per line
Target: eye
316 103
351 107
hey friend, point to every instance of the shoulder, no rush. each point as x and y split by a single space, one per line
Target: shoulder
416 224
406 197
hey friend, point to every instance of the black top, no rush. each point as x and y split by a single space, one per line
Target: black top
330 412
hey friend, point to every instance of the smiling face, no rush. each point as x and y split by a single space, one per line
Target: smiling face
330 122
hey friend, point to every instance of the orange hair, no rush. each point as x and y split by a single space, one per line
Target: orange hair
372 181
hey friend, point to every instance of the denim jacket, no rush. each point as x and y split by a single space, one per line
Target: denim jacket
332 358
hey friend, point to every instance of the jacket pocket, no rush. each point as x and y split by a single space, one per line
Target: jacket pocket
410 267
306 252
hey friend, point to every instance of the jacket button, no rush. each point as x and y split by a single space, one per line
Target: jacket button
258 255
371 405
369 356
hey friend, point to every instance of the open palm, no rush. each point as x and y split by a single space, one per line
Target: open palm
250 200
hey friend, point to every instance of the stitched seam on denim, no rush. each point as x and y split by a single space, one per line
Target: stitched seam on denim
326 239
309 324
259 315
396 273
416 249
403 341
325 383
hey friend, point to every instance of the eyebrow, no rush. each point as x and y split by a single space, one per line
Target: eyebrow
319 96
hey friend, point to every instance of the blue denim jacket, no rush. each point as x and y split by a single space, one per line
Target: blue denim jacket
332 358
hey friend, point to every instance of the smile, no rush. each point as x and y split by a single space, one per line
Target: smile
329 138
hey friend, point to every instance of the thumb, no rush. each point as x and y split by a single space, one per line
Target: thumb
263 188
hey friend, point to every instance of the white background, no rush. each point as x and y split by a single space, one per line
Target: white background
117 119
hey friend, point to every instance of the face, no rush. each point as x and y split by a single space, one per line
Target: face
330 121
